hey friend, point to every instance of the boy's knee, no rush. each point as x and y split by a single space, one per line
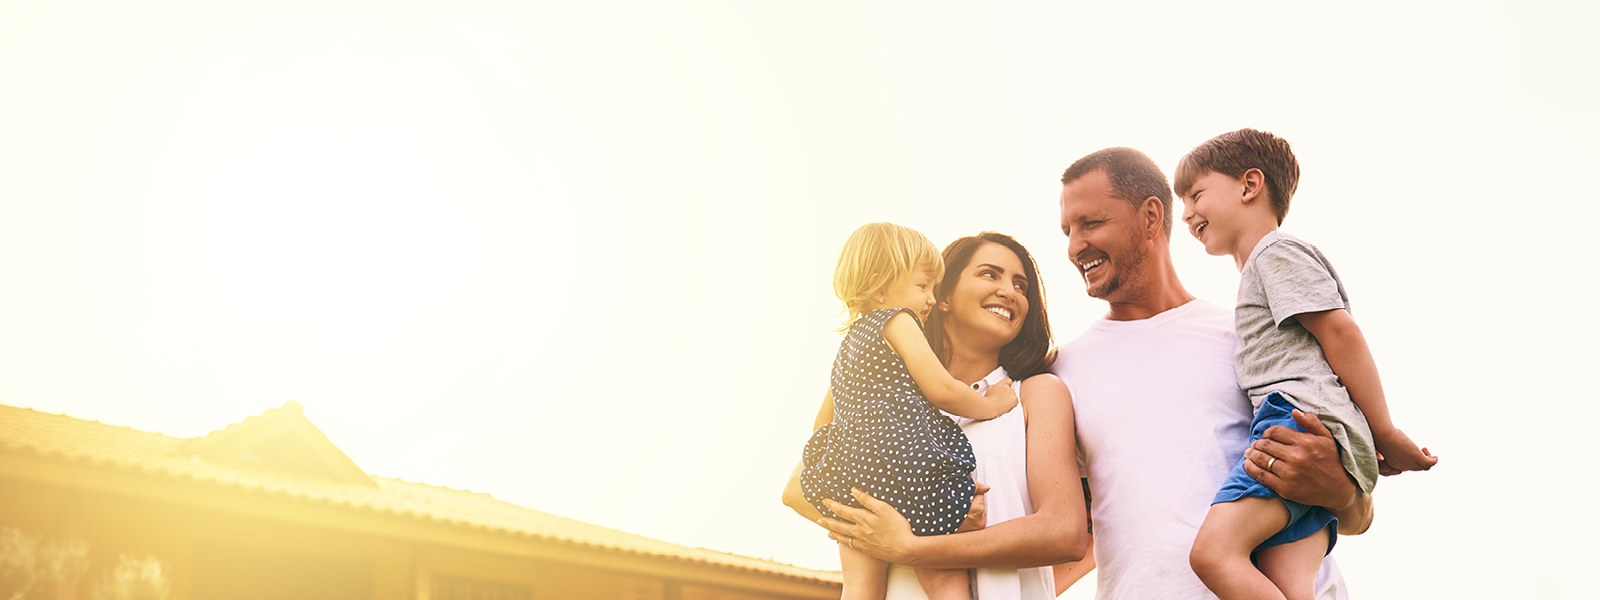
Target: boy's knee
1205 559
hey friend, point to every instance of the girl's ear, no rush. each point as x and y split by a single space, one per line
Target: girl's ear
1254 184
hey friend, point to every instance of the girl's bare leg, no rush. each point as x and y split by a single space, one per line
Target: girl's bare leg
1292 567
944 584
865 577
1221 553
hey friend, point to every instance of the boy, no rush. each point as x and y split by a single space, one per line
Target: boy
1298 349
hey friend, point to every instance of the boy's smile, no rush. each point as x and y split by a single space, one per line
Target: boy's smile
1226 215
1211 210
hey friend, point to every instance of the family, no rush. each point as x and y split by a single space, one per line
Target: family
957 455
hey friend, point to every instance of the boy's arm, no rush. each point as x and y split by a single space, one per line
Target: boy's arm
1346 350
937 385
793 497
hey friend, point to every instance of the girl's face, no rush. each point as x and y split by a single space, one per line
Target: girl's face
914 292
989 302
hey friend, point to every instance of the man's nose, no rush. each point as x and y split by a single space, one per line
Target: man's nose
1075 244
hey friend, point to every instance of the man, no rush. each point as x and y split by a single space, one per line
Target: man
1152 469
1160 416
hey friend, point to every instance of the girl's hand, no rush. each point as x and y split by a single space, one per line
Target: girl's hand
977 516
1002 397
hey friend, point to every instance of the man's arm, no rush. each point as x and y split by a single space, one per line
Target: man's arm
1054 534
1306 469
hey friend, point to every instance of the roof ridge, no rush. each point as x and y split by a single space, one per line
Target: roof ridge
64 437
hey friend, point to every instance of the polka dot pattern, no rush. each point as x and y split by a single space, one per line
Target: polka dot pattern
886 439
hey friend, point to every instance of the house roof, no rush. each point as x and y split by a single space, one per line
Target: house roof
281 454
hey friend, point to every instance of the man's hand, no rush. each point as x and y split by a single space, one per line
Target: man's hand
878 530
1305 468
977 515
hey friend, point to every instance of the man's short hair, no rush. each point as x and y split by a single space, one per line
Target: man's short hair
1235 152
1134 177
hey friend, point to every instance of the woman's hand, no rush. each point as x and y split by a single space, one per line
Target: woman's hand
977 515
878 529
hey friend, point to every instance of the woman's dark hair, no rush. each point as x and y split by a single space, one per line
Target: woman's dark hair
1028 355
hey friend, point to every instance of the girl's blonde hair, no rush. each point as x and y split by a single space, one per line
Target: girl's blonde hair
877 256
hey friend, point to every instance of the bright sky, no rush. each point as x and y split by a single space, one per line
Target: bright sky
578 254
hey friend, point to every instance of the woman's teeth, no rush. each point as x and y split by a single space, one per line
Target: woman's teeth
1000 311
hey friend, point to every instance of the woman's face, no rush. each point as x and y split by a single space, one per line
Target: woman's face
989 302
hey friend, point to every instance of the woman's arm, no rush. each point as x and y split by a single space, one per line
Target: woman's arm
1054 534
792 496
1067 574
942 390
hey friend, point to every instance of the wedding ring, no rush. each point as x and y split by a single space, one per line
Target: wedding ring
852 543
1270 460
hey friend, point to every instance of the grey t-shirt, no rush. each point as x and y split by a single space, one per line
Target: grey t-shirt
1285 277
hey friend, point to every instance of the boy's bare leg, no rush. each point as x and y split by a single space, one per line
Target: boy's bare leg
865 577
1293 566
944 584
1221 553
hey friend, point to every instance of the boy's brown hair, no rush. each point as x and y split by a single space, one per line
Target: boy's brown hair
1235 152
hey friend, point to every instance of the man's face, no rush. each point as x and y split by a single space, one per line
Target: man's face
1105 237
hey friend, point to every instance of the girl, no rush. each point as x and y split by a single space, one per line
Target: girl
887 437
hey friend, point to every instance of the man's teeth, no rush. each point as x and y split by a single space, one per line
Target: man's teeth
1093 263
1000 311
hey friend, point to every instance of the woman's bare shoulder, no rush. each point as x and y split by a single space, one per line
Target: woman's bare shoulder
1045 383
1045 395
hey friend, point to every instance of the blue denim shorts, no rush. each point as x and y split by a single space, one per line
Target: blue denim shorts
1304 520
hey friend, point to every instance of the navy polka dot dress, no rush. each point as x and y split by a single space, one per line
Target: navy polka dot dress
886 439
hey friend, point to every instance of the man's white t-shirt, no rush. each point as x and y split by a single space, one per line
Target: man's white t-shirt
1160 421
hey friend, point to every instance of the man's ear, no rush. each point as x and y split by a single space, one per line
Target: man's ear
1155 217
1255 185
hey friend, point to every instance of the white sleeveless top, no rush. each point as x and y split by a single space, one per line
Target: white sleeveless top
1001 448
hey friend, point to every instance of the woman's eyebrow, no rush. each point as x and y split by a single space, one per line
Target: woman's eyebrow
995 267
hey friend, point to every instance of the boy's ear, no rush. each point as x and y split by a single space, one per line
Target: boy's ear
1255 184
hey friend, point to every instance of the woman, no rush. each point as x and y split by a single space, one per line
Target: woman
989 323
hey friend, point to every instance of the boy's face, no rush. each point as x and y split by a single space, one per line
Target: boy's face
1212 209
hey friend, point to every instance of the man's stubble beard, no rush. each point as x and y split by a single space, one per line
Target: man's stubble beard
1119 285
